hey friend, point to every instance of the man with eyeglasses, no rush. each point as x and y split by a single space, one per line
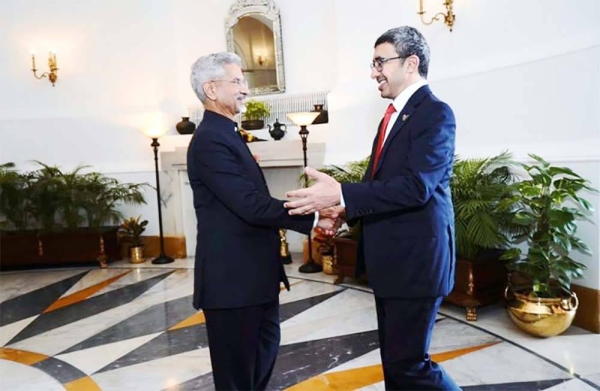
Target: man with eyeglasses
405 207
237 270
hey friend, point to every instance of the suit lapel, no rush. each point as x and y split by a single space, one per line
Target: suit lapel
403 118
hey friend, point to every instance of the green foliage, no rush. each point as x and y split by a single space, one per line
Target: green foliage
548 207
482 204
56 197
353 172
51 199
256 110
130 231
14 190
104 195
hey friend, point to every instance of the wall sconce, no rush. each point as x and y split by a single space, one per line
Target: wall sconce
53 74
449 16
262 60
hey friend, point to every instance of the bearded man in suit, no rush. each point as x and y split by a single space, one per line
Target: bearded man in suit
405 207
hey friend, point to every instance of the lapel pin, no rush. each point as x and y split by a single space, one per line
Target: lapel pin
404 117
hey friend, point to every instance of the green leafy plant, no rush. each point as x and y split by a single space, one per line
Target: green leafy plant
256 110
52 200
14 197
353 172
481 195
105 194
548 207
46 195
131 230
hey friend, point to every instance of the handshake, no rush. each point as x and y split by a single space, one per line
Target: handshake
324 197
330 220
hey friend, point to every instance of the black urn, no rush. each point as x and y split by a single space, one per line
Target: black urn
185 126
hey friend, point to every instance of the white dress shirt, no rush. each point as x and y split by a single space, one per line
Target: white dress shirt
399 104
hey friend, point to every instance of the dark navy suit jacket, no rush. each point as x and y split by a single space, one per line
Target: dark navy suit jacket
237 247
407 241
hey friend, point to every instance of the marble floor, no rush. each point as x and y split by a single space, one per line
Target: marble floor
132 327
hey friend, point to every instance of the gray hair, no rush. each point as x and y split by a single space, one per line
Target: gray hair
211 67
408 41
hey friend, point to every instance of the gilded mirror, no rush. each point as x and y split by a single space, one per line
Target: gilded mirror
253 30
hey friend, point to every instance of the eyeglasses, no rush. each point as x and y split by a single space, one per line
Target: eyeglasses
378 62
238 82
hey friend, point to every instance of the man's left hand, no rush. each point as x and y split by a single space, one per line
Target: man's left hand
324 193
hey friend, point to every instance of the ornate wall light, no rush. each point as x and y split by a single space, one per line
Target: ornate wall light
449 16
53 74
262 59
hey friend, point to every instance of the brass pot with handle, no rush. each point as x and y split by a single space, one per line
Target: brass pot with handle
538 316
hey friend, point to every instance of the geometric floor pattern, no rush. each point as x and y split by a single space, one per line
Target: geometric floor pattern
132 327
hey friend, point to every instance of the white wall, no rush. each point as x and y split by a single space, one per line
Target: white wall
520 75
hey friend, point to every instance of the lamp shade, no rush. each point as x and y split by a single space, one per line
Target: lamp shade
305 118
155 131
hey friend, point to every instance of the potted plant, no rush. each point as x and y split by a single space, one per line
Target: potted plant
63 215
18 244
130 232
481 195
14 200
255 114
549 205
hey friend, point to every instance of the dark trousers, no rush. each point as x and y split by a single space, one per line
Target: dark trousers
405 327
243 345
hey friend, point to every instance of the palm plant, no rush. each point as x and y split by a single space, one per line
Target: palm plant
482 204
103 195
72 197
53 199
45 196
14 196
549 227
352 173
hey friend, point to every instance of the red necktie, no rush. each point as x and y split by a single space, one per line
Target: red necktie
386 119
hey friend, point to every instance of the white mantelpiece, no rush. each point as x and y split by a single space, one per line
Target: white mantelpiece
271 154
281 161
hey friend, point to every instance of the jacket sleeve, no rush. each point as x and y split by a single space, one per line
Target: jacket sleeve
431 154
220 169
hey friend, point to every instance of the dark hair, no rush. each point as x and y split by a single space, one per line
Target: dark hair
408 41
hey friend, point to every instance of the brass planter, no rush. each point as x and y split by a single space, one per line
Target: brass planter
136 254
328 264
541 317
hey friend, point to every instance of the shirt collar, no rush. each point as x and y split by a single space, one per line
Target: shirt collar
405 95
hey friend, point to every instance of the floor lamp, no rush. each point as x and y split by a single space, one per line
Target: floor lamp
303 120
155 134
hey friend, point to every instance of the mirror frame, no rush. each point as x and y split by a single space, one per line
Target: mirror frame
268 9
